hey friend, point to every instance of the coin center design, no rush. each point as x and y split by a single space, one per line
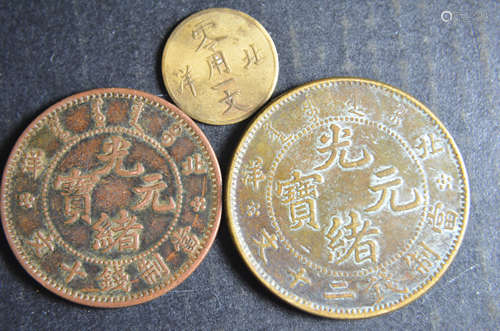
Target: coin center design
113 194
350 195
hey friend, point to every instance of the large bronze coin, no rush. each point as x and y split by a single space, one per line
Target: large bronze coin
220 65
347 198
111 197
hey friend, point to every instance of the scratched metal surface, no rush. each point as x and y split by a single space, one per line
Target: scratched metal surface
449 62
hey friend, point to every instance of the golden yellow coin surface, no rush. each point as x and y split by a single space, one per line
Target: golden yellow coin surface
220 65
347 198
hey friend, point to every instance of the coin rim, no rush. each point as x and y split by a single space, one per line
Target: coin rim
267 36
425 287
218 201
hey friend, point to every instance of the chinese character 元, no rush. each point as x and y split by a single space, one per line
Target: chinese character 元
386 183
150 194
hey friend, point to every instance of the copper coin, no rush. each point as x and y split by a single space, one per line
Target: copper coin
111 197
220 65
347 198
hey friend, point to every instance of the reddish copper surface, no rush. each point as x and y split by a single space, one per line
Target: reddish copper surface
111 197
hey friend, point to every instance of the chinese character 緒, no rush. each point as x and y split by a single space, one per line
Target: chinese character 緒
120 233
355 239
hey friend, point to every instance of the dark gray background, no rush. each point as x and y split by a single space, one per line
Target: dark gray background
54 49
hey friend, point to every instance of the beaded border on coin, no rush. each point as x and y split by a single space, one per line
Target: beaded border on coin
99 300
272 284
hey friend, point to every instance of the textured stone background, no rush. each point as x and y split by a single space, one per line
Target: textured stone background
54 49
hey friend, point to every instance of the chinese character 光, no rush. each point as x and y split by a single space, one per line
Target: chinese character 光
335 143
115 149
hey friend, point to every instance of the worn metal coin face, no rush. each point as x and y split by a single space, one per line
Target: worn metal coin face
220 65
111 197
347 198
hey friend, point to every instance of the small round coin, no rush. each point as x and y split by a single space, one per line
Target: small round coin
347 198
111 197
220 65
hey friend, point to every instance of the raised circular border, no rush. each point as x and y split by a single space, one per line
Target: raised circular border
267 37
270 283
274 220
124 300
56 160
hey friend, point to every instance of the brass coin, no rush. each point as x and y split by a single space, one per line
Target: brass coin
111 197
220 65
347 198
